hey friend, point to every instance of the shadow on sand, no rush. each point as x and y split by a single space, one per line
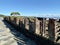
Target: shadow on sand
20 38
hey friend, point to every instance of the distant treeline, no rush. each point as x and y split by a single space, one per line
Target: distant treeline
1 15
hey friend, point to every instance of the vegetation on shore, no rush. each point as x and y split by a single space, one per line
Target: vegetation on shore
1 15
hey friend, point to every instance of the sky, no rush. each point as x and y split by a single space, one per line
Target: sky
31 7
